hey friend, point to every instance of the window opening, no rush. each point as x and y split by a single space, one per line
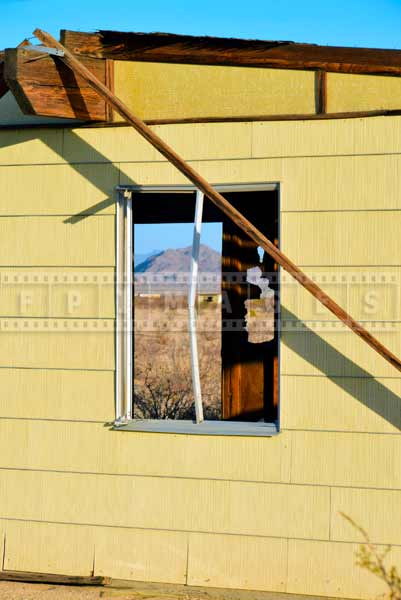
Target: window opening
210 348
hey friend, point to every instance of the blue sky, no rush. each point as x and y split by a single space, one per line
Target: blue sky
179 235
354 23
366 23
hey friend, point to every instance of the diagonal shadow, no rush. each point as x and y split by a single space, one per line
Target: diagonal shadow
91 210
380 400
73 90
91 175
94 176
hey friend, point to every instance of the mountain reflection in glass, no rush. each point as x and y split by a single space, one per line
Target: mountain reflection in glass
162 367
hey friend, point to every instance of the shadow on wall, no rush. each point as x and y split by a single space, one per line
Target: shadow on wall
317 352
320 354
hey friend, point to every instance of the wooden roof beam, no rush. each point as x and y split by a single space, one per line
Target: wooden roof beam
164 47
204 186
44 87
3 84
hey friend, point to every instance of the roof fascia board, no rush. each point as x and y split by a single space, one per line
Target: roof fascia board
160 47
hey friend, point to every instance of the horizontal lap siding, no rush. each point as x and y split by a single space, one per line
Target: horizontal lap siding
346 459
53 394
340 220
341 403
147 555
378 510
57 292
338 353
56 281
329 569
55 241
341 238
314 567
27 548
92 447
58 189
198 141
361 182
369 294
210 511
31 147
81 550
57 344
333 183
158 503
237 562
378 135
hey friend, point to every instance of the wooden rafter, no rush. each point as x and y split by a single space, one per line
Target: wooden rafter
45 87
165 47
3 84
204 186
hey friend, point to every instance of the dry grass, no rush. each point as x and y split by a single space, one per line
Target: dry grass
162 372
374 559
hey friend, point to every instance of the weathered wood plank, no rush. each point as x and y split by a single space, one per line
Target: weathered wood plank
52 578
3 84
214 119
44 87
254 118
162 47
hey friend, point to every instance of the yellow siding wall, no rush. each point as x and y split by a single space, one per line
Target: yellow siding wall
169 91
251 513
175 91
372 93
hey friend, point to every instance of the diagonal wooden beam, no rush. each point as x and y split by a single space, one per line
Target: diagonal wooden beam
77 67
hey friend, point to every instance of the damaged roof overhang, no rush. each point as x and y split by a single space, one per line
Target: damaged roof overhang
167 47
44 86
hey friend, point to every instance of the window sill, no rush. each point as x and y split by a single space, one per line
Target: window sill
205 428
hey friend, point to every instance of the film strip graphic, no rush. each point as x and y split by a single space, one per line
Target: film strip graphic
11 277
30 300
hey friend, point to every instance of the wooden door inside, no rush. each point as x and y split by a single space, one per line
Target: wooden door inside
249 370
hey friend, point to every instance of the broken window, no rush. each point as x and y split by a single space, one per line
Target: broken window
230 340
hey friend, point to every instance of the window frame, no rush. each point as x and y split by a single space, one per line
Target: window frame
124 420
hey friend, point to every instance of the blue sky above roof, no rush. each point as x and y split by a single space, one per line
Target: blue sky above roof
354 23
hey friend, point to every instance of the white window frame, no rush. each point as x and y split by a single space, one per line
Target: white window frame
123 334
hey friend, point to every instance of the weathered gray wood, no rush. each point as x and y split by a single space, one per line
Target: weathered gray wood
52 578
